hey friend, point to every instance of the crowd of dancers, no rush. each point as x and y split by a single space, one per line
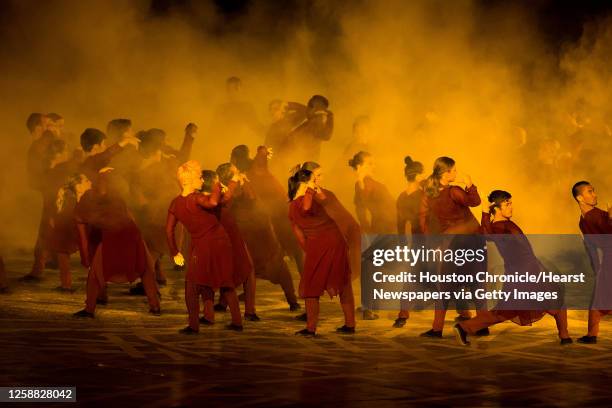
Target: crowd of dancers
125 199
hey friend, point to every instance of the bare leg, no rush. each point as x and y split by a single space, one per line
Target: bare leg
234 306
63 261
312 313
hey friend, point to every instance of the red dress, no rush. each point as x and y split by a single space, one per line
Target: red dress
273 198
256 229
596 226
326 265
210 258
449 212
102 218
243 265
375 198
518 255
407 206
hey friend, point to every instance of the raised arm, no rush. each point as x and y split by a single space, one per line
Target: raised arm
468 197
187 145
212 200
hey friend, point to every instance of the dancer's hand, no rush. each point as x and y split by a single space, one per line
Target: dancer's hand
191 129
269 153
179 259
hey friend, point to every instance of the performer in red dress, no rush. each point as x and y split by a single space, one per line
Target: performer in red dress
97 155
210 265
375 210
271 195
445 209
596 226
407 208
110 243
326 265
258 233
518 255
244 273
153 187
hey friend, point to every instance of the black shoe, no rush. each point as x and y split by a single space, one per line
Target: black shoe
566 341
293 307
61 289
345 330
251 317
432 334
302 317
234 327
206 322
461 335
187 330
83 314
241 297
305 333
400 322
369 315
102 301
588 340
220 308
155 312
482 332
30 278
137 290
460 319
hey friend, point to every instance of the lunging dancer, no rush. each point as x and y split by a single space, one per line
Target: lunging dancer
326 264
518 255
210 265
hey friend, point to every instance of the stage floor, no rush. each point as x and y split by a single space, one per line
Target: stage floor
127 357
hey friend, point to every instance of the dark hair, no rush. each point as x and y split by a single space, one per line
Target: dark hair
208 179
117 127
151 142
91 137
54 116
35 119
300 176
224 171
318 100
412 168
240 158
496 198
577 188
441 166
358 159
310 165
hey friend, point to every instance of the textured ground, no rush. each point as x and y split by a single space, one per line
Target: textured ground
127 357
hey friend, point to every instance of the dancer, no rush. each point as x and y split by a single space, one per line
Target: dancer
111 245
375 210
153 187
445 208
305 140
58 234
258 233
596 226
97 156
210 265
271 196
407 207
326 266
244 273
518 255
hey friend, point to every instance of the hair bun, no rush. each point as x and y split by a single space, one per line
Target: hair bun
351 163
408 160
